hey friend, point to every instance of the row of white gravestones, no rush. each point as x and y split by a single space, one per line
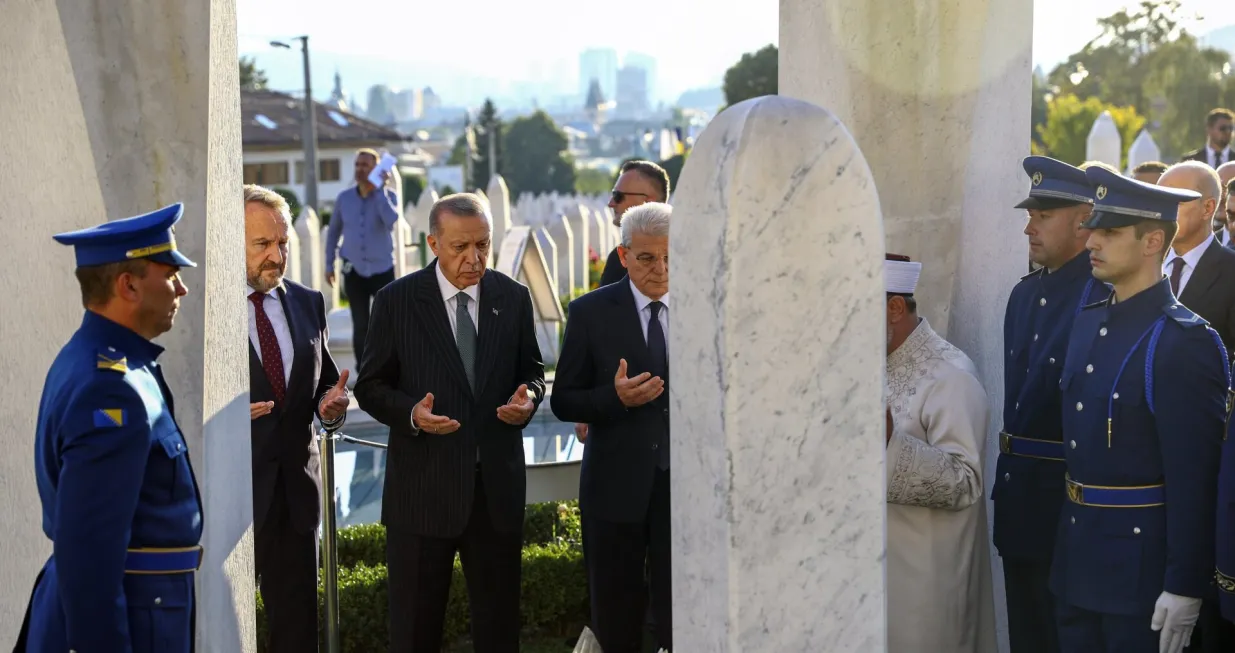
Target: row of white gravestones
572 229
1105 144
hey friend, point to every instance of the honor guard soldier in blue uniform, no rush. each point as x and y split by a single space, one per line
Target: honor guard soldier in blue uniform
1029 488
1144 389
120 503
1225 552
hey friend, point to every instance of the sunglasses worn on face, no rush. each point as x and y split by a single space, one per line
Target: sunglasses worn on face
620 196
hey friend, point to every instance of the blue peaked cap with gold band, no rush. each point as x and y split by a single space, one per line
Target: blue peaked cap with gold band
1121 201
150 236
1054 184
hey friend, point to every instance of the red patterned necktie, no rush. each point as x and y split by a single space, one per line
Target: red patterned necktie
272 355
1177 275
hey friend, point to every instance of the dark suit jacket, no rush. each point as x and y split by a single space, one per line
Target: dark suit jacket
614 270
283 440
619 461
1202 155
1210 291
410 352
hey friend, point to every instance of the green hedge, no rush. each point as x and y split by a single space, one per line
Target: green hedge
554 585
543 523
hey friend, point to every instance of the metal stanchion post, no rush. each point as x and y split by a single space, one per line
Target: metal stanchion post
330 558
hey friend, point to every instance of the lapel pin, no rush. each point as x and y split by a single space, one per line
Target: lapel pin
496 311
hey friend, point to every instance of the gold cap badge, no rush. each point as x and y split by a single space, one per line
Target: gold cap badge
1101 192
1037 178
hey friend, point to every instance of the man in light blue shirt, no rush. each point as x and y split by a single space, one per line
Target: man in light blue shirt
365 218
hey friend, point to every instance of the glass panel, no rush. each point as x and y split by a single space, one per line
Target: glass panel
360 471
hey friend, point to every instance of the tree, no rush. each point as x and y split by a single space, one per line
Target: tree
590 181
293 202
252 78
536 159
1069 119
413 186
1191 80
488 123
1141 58
752 76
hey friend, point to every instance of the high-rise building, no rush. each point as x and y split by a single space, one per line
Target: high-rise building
632 92
600 64
648 63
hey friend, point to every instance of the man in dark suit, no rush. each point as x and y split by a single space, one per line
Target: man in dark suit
1217 150
1201 270
292 378
612 374
1202 275
638 183
453 368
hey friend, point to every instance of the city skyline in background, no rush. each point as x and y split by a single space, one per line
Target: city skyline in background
541 58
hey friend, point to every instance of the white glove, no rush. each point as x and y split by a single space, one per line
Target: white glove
1175 616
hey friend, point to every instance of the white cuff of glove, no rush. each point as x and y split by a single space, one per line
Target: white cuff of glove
1175 616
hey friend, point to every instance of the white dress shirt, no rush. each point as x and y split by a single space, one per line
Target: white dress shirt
1190 260
278 320
451 300
449 296
643 305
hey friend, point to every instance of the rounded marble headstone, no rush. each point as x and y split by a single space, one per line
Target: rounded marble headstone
777 354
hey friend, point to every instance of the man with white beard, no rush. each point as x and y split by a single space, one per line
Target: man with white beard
939 580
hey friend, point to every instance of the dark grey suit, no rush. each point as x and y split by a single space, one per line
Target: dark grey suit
462 492
1210 291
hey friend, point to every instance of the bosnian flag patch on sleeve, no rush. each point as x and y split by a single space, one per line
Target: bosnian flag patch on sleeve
108 418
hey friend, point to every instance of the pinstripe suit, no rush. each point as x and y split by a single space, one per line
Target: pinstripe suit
460 492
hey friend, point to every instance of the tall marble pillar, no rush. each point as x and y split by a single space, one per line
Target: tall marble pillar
935 92
110 110
776 346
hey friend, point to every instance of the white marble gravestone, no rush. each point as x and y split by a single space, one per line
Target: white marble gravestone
1104 142
499 199
129 105
777 351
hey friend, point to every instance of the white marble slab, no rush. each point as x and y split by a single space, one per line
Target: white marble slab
777 350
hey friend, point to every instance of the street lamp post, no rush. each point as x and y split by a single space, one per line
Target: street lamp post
310 126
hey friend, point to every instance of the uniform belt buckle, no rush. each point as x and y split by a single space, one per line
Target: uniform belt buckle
162 561
1005 442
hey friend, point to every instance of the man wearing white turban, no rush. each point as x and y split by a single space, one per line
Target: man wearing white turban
939 578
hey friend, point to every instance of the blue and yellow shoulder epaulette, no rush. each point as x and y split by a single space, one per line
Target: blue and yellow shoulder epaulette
112 359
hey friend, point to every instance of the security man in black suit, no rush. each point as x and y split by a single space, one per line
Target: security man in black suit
451 365
292 380
639 182
1217 150
1028 491
612 374
1144 388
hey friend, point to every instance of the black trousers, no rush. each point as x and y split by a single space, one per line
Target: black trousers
360 291
419 570
616 556
287 575
1032 626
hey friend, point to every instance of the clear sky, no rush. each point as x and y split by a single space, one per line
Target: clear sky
694 40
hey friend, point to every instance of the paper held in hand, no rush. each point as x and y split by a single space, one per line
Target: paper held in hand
385 165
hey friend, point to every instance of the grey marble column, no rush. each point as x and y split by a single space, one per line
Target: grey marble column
777 351
111 110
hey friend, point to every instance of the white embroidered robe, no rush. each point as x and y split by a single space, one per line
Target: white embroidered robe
938 570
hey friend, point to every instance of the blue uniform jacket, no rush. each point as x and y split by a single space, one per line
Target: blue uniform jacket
1165 427
1029 491
1225 553
113 474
